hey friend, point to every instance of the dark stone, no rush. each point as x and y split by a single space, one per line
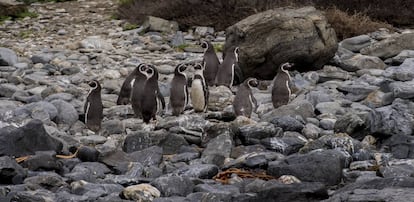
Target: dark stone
202 171
218 149
311 167
216 130
43 160
141 140
49 180
403 170
284 145
185 157
88 171
253 133
400 146
288 123
352 124
93 191
10 171
147 157
241 150
40 195
209 197
27 139
118 161
228 190
172 143
86 153
173 185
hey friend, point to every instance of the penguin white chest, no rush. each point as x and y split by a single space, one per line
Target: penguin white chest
197 95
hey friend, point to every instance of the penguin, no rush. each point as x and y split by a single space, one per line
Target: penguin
179 90
210 63
229 72
137 92
153 102
199 90
281 91
93 107
244 102
126 88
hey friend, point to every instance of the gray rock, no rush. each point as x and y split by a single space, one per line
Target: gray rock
379 99
203 31
276 43
311 131
287 123
10 171
70 70
405 54
404 72
178 39
92 139
208 196
67 114
403 170
43 160
113 126
48 180
202 171
42 58
285 145
330 108
218 147
7 90
25 97
141 192
358 62
229 190
356 43
317 96
391 46
7 57
219 98
350 123
329 73
312 167
401 146
172 143
147 157
172 199
302 108
95 42
92 190
88 171
402 90
27 139
253 133
156 24
173 185
184 157
339 141
327 123
396 118
142 140
40 195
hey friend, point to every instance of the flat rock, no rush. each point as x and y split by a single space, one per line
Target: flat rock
7 56
391 46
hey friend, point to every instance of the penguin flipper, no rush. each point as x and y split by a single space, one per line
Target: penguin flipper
161 98
238 75
254 103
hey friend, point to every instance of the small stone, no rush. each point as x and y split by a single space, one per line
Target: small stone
141 192
62 32
7 57
112 74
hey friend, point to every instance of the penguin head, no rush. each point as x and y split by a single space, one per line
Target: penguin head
180 68
94 84
205 45
142 68
285 67
152 72
252 82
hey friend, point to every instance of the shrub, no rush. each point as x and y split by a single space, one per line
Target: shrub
222 13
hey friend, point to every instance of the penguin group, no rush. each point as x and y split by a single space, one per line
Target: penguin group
140 88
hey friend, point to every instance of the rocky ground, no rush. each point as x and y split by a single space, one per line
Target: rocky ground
346 136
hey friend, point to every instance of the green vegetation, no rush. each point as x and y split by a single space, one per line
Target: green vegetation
25 34
4 18
26 14
218 47
129 26
181 47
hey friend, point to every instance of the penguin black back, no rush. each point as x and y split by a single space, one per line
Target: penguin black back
210 62
126 88
93 107
229 71
153 98
244 102
199 90
140 78
281 91
179 90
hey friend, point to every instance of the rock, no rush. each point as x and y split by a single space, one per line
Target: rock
219 98
253 133
340 141
311 167
276 43
379 99
350 123
329 73
156 24
378 189
50 181
402 90
202 171
141 192
184 157
67 114
403 170
287 123
7 90
40 195
358 62
25 97
317 96
7 56
113 126
92 139
396 118
401 57
147 157
27 139
171 199
229 190
356 43
311 131
112 74
95 42
92 190
88 154
302 108
11 8
276 191
10 171
88 171
178 39
173 185
142 140
203 31
43 160
401 146
42 58
172 143
218 148
391 46
404 72
285 145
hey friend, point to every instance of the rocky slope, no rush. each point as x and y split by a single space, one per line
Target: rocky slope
346 136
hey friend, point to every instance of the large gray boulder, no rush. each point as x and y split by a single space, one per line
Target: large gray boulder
276 36
390 47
